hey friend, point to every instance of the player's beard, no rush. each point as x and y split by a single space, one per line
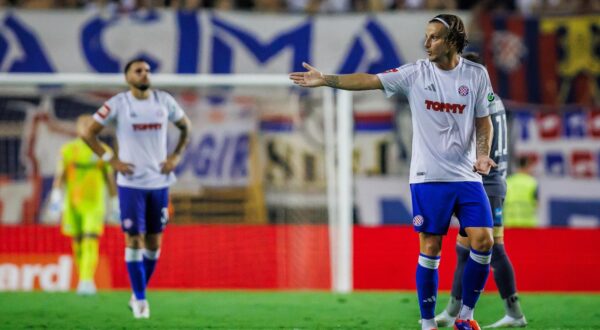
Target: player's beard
142 87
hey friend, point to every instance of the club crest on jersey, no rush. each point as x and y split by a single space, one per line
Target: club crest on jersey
418 220
463 90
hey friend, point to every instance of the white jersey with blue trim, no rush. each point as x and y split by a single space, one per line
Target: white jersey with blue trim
141 129
444 105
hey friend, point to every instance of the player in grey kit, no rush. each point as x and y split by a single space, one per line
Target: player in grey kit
495 187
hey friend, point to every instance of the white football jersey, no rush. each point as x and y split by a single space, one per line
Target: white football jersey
141 129
444 105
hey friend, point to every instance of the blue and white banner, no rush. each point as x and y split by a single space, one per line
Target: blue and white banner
208 42
568 202
562 144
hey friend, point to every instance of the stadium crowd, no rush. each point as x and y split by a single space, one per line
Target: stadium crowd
545 7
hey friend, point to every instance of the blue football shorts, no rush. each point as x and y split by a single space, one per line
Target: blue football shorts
434 203
143 211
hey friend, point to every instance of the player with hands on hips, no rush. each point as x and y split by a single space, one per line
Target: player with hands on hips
145 169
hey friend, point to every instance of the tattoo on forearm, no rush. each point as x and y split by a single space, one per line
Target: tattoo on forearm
483 141
183 138
332 81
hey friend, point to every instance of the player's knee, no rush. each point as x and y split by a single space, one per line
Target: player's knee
152 241
483 245
431 247
134 241
430 244
152 245
482 242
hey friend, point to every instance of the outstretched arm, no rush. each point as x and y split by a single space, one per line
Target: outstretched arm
484 131
353 82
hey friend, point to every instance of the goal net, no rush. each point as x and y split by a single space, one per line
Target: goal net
262 172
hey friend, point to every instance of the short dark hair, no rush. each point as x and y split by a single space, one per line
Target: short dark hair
135 60
473 57
457 35
523 161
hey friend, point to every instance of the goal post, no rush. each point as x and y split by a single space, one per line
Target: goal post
342 243
330 131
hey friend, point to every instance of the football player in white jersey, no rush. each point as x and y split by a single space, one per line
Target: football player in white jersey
450 100
495 187
145 170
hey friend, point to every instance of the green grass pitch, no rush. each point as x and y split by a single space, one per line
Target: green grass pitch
274 310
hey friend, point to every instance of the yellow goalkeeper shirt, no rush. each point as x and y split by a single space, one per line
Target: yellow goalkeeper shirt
85 185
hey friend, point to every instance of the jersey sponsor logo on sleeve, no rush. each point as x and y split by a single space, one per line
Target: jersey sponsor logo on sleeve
418 220
491 97
463 90
391 70
103 111
147 126
445 107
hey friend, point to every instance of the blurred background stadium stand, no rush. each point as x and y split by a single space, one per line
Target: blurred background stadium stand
250 209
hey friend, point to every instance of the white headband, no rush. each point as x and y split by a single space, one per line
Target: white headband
443 22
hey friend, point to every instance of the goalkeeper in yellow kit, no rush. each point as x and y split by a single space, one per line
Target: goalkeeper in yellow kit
85 178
